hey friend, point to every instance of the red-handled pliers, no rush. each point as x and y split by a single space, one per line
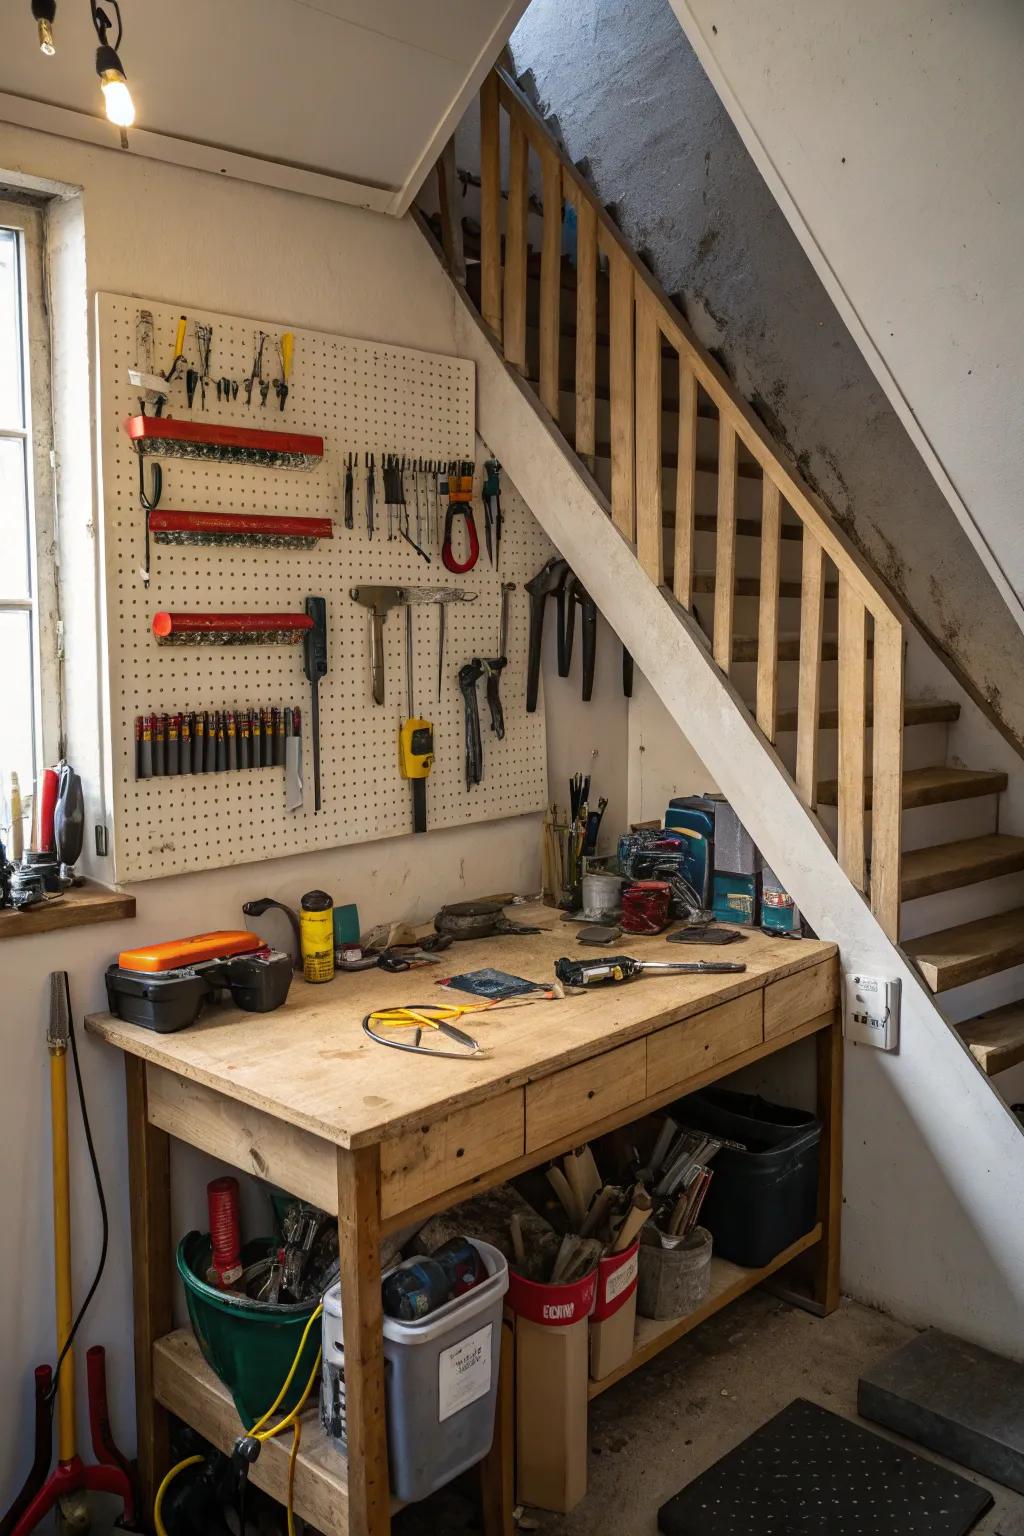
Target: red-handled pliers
460 504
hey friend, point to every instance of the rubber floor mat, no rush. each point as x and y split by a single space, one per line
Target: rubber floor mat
808 1472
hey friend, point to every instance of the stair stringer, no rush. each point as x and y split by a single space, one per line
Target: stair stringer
934 1201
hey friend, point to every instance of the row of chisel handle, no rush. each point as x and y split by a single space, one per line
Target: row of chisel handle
213 741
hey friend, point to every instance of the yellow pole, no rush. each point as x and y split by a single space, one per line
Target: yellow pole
62 1247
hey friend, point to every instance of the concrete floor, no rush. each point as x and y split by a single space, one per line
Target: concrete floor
657 1430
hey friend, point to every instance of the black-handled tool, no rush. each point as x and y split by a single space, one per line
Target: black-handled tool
469 675
549 579
599 973
574 592
627 674
314 665
349 512
493 667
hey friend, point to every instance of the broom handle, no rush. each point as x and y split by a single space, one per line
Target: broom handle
66 1437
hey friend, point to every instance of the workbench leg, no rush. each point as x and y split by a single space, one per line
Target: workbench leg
149 1183
369 1501
497 1470
829 1047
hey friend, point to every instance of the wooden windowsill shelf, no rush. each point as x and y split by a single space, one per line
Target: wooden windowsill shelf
85 904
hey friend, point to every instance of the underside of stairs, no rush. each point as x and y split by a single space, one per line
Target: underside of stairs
719 520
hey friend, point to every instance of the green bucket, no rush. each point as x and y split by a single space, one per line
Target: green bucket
249 1344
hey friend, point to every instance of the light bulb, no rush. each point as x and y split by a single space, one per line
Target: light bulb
46 42
117 98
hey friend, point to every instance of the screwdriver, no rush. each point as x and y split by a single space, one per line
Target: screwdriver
314 665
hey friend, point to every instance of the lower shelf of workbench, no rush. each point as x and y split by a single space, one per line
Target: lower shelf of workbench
184 1384
728 1281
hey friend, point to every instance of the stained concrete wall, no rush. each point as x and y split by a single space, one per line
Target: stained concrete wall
631 98
892 140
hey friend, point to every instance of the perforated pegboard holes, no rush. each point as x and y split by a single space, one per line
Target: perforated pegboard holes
361 397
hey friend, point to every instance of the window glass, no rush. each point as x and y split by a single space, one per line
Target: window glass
14 529
16 711
11 404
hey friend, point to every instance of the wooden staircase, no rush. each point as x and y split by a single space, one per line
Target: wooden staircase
719 518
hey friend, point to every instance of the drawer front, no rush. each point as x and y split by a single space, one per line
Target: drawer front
424 1163
580 1095
805 995
693 1045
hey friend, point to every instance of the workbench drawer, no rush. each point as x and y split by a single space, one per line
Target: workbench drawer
578 1096
426 1162
795 999
683 1050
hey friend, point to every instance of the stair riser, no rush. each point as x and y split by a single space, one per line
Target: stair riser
930 824
929 914
922 745
984 995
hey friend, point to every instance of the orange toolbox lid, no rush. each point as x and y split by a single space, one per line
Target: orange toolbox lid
178 953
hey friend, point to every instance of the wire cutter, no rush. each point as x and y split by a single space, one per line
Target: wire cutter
419 1017
492 510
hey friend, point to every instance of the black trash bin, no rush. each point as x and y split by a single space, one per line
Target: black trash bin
761 1200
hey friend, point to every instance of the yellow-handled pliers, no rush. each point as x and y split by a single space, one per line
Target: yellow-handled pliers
421 1016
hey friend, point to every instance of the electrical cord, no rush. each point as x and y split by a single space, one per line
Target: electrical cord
257 1432
101 1197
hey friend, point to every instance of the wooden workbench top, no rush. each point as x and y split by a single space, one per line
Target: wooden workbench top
309 1063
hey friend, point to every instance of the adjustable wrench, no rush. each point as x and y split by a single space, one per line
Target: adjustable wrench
549 580
469 675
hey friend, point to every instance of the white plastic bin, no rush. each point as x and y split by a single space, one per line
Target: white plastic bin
441 1382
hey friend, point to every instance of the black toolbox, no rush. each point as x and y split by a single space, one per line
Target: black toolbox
760 1200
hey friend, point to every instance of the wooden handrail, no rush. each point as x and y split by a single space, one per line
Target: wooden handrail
647 338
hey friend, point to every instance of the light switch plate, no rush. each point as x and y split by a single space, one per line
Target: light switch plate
871 1010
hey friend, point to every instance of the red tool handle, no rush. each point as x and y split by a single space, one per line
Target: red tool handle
143 429
47 806
459 509
236 523
165 624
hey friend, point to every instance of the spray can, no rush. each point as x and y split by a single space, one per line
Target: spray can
316 935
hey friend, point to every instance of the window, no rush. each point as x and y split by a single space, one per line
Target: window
28 654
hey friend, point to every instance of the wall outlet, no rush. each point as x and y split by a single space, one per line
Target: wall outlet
871 1010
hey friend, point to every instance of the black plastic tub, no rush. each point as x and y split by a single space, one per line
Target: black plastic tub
761 1200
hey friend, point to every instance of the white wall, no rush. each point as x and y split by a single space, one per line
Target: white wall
933 1202
178 235
892 139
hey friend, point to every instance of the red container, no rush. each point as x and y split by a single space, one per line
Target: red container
645 906
613 1321
552 1306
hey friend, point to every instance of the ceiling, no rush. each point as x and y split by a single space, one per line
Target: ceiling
347 99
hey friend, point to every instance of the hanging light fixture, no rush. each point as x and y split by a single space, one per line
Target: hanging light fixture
117 98
44 12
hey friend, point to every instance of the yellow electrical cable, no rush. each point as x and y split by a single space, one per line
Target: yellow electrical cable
158 1502
291 1419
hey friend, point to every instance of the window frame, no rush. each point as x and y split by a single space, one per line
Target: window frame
27 219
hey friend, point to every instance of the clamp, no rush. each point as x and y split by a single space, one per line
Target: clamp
460 504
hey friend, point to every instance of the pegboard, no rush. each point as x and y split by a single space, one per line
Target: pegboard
361 397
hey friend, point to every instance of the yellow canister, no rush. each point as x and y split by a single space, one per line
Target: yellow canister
316 933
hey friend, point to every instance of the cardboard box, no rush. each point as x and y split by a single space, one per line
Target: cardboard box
613 1323
552 1328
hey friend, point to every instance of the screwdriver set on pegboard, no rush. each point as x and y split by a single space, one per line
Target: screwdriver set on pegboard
260 508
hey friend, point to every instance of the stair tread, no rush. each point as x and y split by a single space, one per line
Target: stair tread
995 1039
969 951
946 866
915 712
929 786
745 647
750 586
746 527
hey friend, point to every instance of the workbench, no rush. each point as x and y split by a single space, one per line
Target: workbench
382 1138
